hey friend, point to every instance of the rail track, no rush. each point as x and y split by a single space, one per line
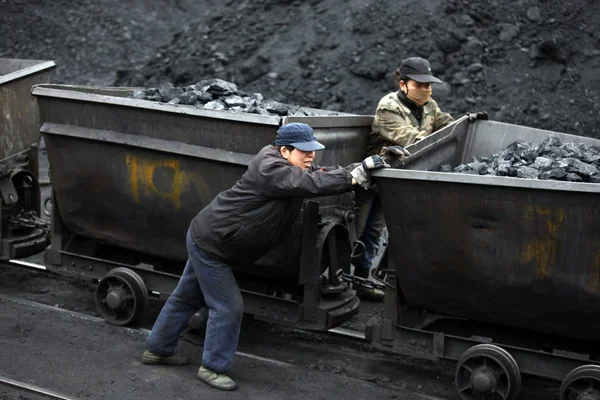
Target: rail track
22 390
338 338
340 332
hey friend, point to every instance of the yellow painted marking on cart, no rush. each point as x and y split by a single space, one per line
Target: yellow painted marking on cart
543 250
142 174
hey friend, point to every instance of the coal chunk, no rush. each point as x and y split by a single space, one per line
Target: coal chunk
168 92
214 105
574 177
543 163
551 159
527 172
595 178
234 101
277 107
581 168
218 94
217 87
188 98
555 173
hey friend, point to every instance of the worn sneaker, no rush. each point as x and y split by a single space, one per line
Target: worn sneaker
150 358
371 294
219 381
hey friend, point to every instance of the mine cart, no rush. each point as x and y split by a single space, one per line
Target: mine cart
498 273
22 231
129 175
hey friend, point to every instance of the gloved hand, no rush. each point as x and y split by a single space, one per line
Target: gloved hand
362 173
398 153
483 115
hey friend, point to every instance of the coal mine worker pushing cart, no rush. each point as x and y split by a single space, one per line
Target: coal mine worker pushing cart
238 227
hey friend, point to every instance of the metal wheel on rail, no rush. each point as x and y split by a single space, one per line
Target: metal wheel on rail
582 383
487 372
122 297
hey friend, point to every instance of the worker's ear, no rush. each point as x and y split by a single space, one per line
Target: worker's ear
402 86
285 153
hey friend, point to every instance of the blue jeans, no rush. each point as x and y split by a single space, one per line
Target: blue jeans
204 282
370 224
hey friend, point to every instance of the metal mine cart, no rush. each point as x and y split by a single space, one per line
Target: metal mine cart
500 274
129 175
22 231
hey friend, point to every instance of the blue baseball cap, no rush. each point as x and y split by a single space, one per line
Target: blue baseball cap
298 135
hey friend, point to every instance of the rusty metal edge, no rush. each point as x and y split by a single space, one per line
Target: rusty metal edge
26 71
70 92
145 142
524 183
78 93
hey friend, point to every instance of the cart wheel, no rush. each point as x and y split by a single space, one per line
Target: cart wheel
121 296
583 383
487 372
47 207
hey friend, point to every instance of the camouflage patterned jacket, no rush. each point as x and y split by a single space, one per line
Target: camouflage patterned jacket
394 124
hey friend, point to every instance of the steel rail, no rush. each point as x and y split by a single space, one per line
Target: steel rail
134 330
342 332
31 388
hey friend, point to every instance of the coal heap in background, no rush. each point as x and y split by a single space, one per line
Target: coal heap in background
551 159
527 62
217 94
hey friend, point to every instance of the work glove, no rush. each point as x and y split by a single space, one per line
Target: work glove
397 153
483 115
362 173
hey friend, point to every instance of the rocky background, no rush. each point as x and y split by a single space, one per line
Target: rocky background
526 62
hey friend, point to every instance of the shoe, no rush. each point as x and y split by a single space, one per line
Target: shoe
371 294
149 358
219 381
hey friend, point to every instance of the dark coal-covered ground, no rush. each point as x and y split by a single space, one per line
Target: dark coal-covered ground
526 62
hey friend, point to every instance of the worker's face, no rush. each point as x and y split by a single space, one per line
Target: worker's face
418 92
414 85
298 158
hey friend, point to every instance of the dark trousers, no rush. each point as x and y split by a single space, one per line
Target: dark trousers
204 282
370 225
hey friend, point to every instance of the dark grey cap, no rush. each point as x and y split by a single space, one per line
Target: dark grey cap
417 69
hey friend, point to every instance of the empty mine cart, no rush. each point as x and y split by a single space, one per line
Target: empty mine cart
22 231
129 175
498 273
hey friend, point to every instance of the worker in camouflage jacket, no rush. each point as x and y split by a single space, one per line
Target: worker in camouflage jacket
410 114
401 119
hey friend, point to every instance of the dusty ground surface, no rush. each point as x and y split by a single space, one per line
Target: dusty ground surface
92 359
528 62
388 375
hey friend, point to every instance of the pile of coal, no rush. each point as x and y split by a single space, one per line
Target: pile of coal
551 159
218 94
